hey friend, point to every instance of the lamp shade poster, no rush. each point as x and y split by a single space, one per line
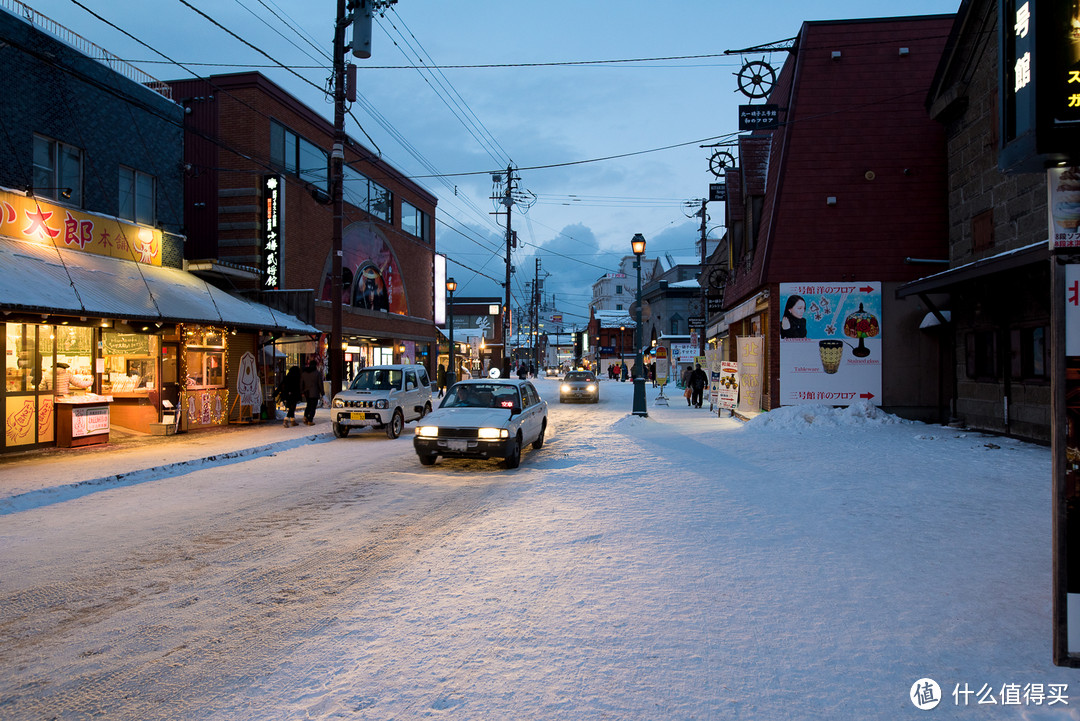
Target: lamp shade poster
830 343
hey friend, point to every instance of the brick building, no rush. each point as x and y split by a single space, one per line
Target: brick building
829 213
257 210
994 294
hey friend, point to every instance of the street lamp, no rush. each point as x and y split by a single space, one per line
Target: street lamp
638 246
451 286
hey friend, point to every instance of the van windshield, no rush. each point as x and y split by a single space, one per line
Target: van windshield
376 379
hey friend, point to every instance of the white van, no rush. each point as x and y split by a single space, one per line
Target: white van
387 396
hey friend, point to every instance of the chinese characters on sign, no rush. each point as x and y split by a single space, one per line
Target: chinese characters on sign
37 221
830 343
271 240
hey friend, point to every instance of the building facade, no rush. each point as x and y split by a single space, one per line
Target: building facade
832 211
993 295
103 329
257 197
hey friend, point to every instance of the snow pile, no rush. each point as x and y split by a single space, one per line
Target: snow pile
804 416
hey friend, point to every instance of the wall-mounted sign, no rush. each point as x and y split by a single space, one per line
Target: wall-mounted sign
1039 84
38 221
270 243
718 192
759 117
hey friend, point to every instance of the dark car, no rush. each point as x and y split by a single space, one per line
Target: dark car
579 386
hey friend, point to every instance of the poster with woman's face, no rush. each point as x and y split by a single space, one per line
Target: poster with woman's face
371 276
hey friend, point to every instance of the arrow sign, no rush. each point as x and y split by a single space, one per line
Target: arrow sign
866 289
867 396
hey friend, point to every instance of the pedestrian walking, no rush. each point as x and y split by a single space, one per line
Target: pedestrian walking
311 387
698 379
288 391
440 379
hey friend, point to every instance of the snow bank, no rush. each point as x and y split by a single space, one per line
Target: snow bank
804 416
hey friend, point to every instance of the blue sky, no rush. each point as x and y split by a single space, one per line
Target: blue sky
464 123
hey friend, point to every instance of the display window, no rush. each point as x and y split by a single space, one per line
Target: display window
204 357
130 363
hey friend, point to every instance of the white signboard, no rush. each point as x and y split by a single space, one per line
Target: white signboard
1072 309
89 421
727 395
830 343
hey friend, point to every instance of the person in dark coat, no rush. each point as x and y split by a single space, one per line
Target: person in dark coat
288 391
440 379
311 387
698 380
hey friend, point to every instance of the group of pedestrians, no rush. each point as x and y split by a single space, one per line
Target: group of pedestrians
694 381
297 385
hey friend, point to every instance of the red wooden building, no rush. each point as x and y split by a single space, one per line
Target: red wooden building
831 211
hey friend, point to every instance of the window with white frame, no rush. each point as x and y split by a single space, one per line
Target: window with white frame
136 196
415 221
57 170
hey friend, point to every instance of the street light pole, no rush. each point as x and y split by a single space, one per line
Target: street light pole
638 245
451 286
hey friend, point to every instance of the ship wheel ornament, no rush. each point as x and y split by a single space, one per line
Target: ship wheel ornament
718 278
720 161
756 79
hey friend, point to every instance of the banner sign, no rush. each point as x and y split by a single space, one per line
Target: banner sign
751 372
270 243
830 343
759 117
727 394
36 220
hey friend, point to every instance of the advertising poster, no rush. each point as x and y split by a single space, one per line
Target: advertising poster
1063 204
830 343
661 365
728 386
371 277
712 367
750 373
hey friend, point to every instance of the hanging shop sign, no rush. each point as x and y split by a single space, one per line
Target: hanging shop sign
759 117
270 242
1039 83
718 192
35 220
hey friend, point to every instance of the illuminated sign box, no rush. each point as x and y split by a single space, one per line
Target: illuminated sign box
1039 84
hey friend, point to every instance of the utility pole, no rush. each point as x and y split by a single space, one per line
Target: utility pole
507 201
360 18
702 279
536 317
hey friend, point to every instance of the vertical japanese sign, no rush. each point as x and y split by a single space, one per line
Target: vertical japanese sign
830 343
751 351
662 365
1065 381
270 243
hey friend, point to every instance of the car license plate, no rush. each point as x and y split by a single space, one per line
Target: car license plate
358 416
457 445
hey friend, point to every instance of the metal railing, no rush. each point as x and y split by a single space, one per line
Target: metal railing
84 46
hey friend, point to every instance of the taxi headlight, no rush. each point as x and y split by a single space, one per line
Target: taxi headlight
491 434
427 431
382 403
565 388
338 403
591 388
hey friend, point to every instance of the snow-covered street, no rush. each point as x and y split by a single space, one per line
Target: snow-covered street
810 564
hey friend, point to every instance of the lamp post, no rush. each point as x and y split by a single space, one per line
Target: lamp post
637 243
451 286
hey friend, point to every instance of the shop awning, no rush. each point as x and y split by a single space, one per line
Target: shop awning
945 280
37 278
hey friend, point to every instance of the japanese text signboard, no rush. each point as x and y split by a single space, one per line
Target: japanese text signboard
270 252
36 220
830 343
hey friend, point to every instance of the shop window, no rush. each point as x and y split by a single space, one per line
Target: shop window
981 352
57 171
136 194
1028 353
204 359
130 363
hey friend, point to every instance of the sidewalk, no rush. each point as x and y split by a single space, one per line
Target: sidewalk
25 475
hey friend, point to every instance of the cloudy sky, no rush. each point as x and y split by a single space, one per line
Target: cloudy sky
604 149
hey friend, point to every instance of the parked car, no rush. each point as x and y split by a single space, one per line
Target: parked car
385 396
579 386
484 418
